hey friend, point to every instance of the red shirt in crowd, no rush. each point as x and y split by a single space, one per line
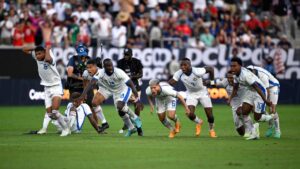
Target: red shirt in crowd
253 23
29 34
265 23
185 29
18 37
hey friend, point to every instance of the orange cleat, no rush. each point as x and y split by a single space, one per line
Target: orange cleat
172 134
198 128
212 133
177 127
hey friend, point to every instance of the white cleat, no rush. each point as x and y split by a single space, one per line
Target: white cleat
121 131
42 131
255 132
65 132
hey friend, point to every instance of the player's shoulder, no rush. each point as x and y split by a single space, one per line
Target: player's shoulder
85 106
148 91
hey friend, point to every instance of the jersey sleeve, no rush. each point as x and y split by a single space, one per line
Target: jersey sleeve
177 75
250 78
148 91
199 71
265 79
122 75
97 75
86 109
85 75
169 91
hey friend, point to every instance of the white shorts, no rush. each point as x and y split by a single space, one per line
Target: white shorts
254 99
274 94
104 92
122 95
192 98
168 104
52 91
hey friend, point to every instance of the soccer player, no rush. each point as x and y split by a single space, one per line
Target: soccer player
86 79
114 82
134 69
196 92
273 86
165 101
76 113
235 103
255 96
51 81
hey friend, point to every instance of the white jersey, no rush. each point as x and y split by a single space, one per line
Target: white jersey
247 79
266 77
87 76
82 111
167 91
47 72
115 82
241 91
192 82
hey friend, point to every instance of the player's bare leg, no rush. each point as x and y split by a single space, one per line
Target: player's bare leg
56 100
96 102
162 118
194 118
172 116
123 112
211 120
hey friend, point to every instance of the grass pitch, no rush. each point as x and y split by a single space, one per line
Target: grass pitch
155 150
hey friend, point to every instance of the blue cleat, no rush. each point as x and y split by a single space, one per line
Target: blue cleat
269 132
130 132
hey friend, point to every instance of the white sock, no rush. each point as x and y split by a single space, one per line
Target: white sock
127 122
60 119
167 124
265 117
72 118
247 123
197 120
46 121
276 122
99 113
57 125
131 113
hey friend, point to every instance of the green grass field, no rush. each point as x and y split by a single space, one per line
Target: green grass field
155 150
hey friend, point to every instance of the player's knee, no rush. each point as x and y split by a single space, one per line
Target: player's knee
257 116
121 113
191 116
97 108
54 114
120 106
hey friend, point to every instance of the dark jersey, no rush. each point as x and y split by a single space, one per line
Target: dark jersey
131 67
75 85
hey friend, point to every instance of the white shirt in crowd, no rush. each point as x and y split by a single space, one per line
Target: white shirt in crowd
119 36
59 33
104 26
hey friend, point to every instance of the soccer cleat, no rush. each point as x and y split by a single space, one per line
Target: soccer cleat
255 132
121 131
130 132
177 127
172 134
140 131
198 128
103 127
277 135
212 133
42 131
269 132
138 122
247 134
65 132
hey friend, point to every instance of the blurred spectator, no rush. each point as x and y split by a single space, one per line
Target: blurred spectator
280 10
104 27
127 6
198 28
60 9
207 38
46 28
155 35
6 27
254 24
163 4
221 38
115 7
170 13
184 28
80 14
50 10
141 28
13 17
200 4
118 35
73 32
196 43
214 28
269 66
29 33
84 33
284 43
156 13
140 12
151 4
231 6
18 34
212 10
91 13
60 36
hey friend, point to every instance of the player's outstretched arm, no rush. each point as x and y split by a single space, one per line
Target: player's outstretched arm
93 122
181 99
210 71
149 98
27 50
88 88
48 57
172 82
139 105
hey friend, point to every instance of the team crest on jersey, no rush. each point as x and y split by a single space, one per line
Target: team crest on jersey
46 66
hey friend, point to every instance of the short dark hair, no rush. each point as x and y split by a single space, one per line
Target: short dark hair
185 59
39 48
75 95
91 62
106 60
238 60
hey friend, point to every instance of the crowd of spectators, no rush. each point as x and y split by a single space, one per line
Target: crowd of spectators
147 23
